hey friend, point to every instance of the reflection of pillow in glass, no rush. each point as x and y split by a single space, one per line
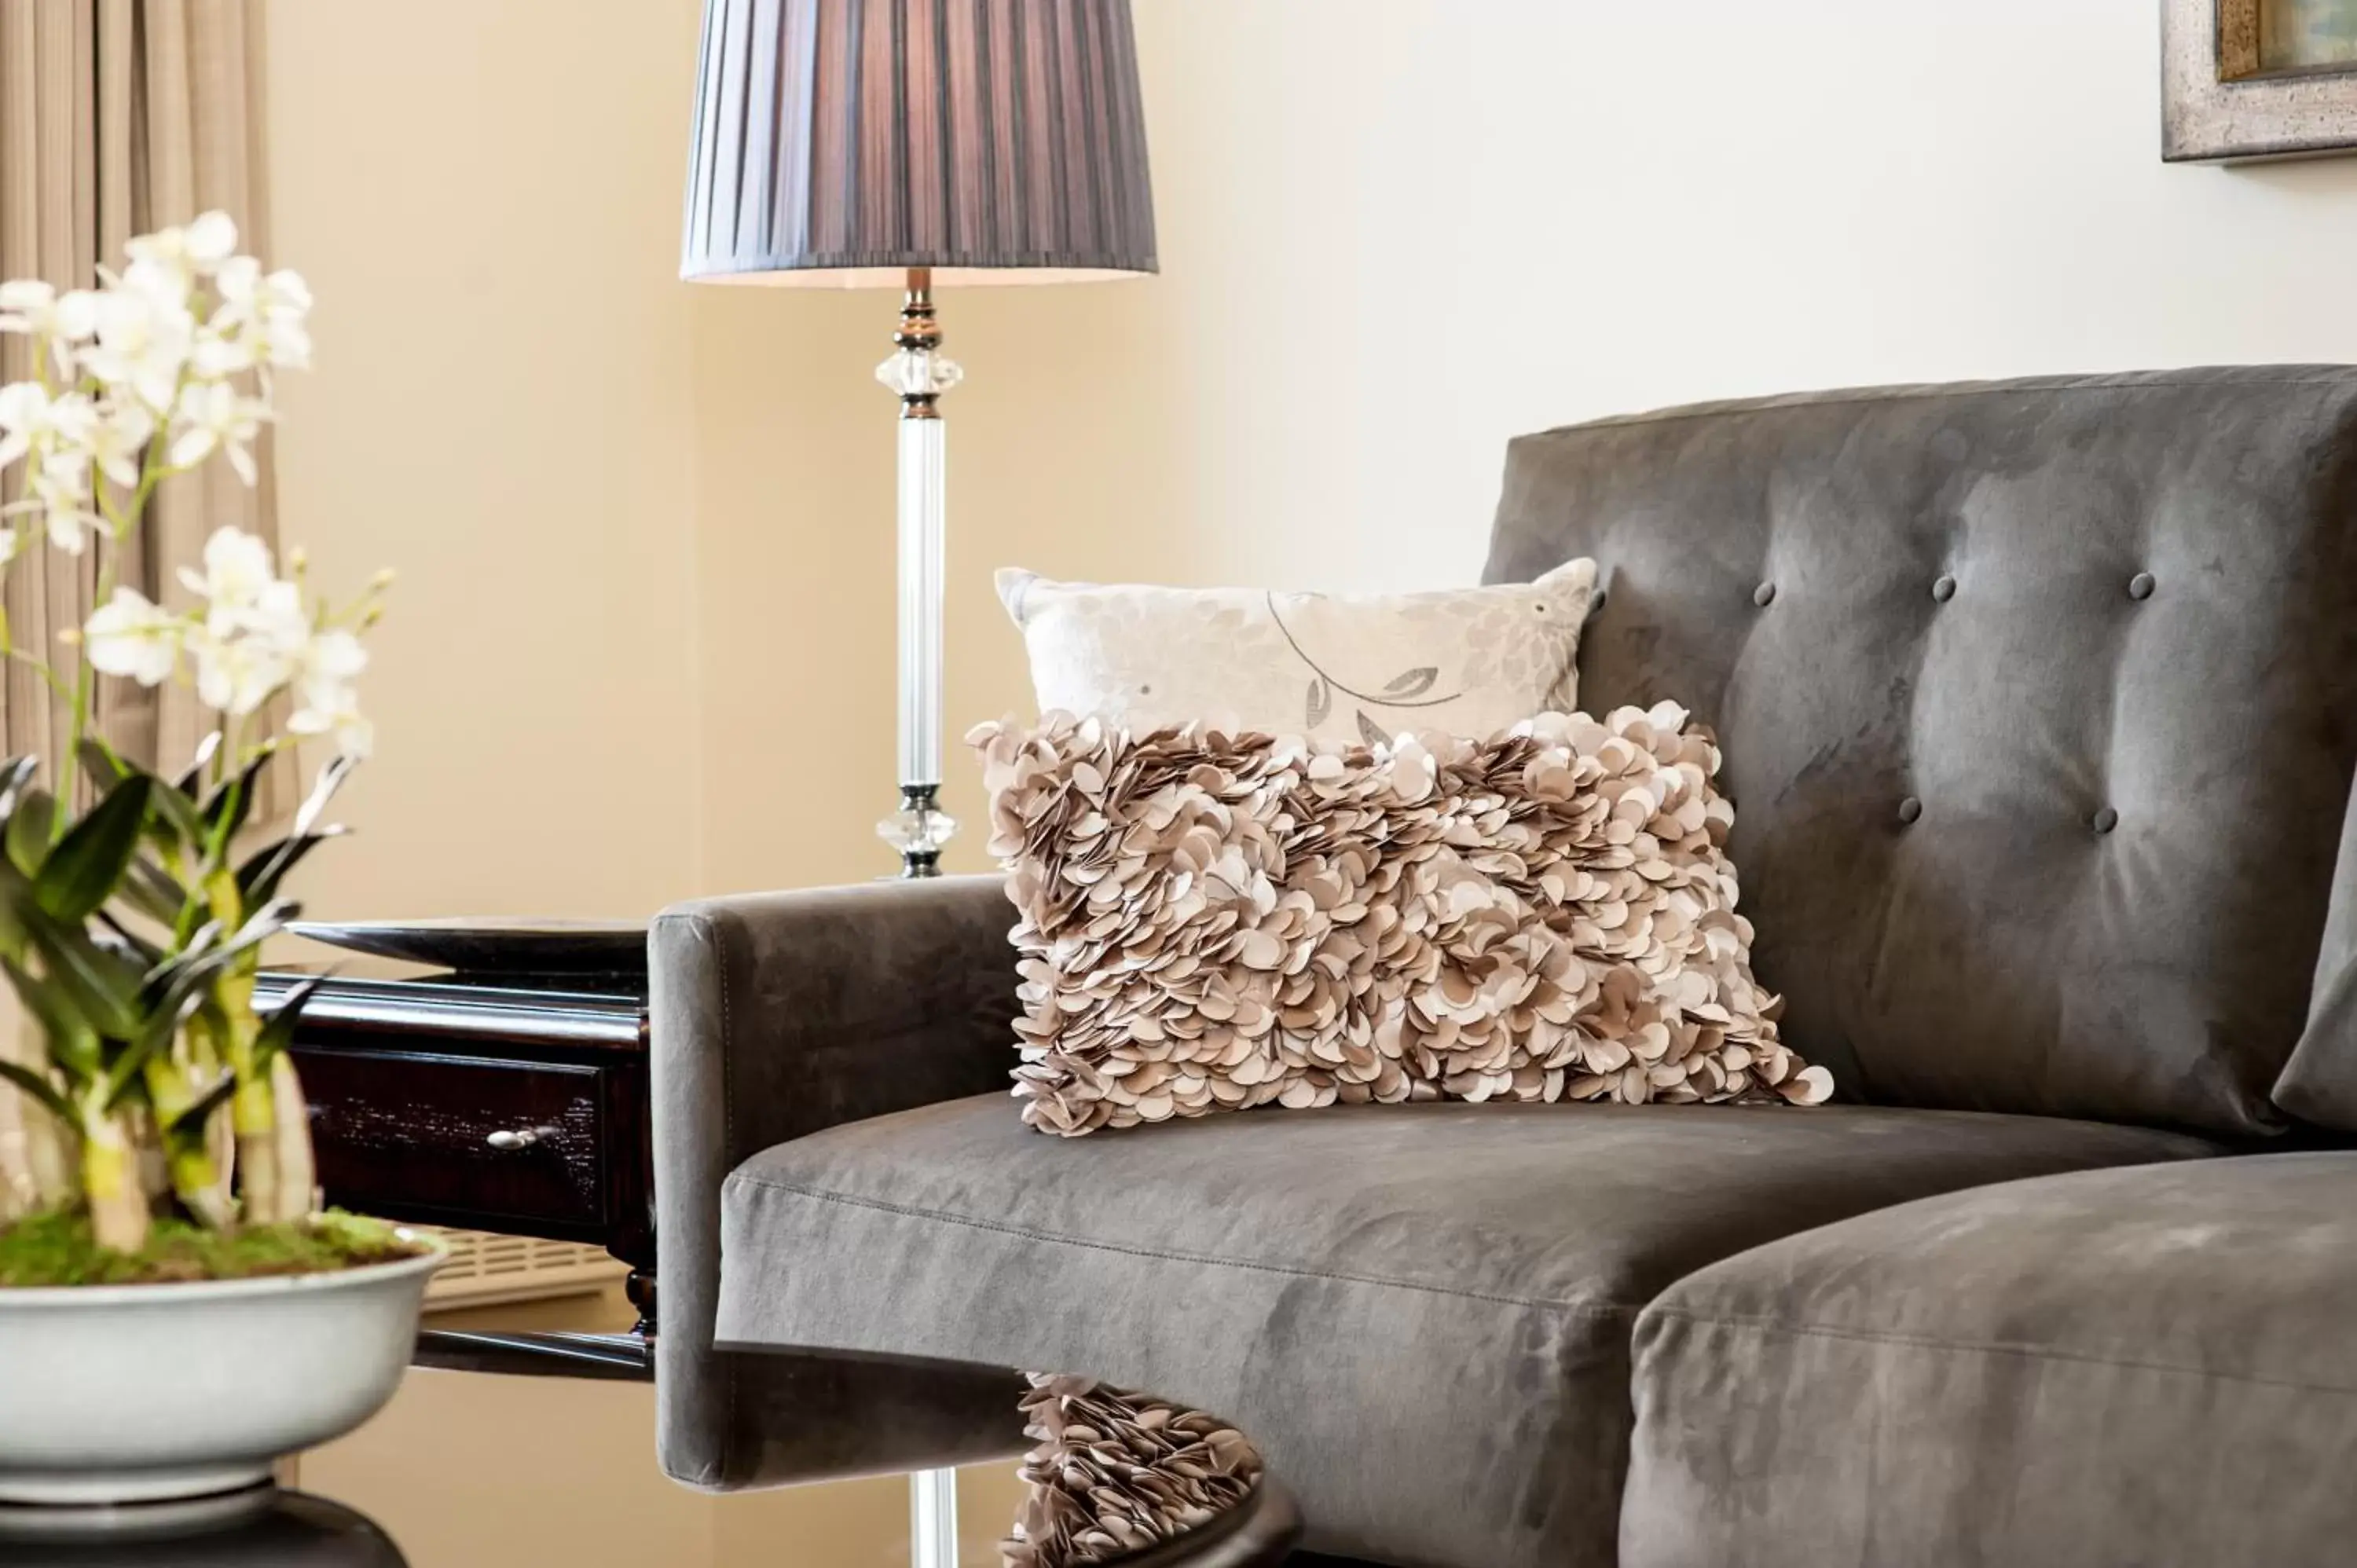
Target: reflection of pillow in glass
1213 922
1331 666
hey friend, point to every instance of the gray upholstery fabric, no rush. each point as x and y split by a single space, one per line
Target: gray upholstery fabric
774 1015
1421 1311
2146 1369
2320 1080
1776 566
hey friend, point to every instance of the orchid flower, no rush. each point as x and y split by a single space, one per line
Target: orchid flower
199 249
262 317
214 415
143 341
164 367
31 306
129 636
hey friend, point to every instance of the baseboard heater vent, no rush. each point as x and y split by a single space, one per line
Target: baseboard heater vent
485 1269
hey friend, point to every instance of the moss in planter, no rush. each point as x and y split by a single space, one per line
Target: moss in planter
57 1249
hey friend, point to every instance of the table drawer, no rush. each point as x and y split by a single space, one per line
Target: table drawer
398 1131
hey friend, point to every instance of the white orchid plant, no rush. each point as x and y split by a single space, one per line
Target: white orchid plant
133 905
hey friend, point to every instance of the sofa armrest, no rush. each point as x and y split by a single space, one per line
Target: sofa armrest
774 1015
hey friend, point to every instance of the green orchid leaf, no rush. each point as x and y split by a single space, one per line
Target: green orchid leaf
172 994
154 891
122 1076
260 875
260 926
198 946
181 981
17 775
99 761
266 922
208 1029
323 789
16 900
124 943
278 1029
178 822
37 1089
29 828
225 811
103 989
192 778
71 1041
199 1110
81 873
155 1032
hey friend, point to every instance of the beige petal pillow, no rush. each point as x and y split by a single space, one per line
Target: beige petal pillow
1211 922
1343 667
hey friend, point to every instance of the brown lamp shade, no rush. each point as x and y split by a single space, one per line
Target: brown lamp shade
842 142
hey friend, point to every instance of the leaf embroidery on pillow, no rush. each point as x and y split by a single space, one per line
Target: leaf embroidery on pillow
1406 690
1371 732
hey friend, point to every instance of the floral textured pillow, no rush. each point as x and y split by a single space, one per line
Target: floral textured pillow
1338 667
1214 921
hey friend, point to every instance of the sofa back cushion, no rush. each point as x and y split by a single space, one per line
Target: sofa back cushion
2320 1083
2039 702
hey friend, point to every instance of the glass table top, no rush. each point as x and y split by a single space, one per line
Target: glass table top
469 1468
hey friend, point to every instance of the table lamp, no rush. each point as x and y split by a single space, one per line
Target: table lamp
917 144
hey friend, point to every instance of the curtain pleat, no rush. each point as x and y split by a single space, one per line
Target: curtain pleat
47 209
118 117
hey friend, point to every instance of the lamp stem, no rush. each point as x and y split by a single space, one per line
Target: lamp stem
932 1518
919 373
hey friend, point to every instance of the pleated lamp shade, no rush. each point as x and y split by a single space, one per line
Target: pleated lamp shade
843 142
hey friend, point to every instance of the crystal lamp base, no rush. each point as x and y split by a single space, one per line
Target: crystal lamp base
918 830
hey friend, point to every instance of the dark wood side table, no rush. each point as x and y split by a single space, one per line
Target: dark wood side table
514 1104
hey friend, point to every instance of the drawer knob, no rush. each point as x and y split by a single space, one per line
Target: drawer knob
520 1138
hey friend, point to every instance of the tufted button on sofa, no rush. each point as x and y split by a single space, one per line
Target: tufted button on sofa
2057 873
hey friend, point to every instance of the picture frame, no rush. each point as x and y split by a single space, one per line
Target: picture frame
2249 79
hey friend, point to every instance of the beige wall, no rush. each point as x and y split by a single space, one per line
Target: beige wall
1527 211
484 194
1061 449
1519 212
1394 232
465 1471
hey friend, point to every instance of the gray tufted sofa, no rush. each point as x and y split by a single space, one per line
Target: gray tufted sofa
2040 706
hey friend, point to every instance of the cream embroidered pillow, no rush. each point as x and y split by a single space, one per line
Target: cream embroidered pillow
1213 921
1330 666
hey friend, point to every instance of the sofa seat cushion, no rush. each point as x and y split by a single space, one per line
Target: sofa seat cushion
2147 1366
1421 1311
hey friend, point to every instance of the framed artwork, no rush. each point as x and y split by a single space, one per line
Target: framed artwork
2257 78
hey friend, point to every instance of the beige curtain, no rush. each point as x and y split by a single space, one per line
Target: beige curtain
118 117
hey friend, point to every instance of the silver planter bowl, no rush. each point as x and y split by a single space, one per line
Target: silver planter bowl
130 1393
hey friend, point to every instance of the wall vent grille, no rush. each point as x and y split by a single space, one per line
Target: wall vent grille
485 1269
